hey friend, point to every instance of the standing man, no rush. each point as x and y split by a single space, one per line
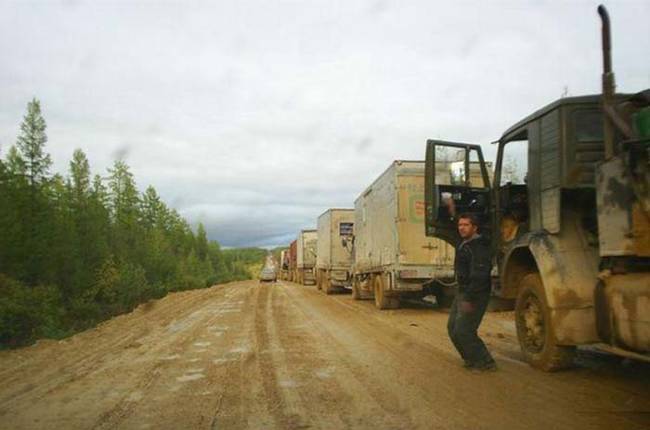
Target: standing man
473 265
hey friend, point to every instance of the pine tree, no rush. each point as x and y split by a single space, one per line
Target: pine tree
80 174
31 144
36 219
153 209
124 205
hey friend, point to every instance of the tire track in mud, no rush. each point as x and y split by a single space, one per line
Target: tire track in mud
236 402
415 358
287 356
133 318
98 359
299 364
553 406
118 415
384 409
276 402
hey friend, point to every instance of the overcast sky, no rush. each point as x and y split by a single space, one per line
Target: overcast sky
254 117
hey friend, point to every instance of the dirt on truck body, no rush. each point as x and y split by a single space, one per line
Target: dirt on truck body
334 254
306 244
570 232
392 256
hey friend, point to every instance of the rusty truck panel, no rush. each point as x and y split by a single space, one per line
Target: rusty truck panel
334 248
389 237
306 256
293 253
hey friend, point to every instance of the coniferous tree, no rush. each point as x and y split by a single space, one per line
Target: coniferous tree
31 144
36 163
124 204
74 251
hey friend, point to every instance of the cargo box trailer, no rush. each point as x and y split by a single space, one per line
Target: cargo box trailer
306 257
284 264
393 257
334 250
293 274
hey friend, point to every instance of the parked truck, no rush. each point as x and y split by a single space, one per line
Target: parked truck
393 257
571 236
293 254
334 250
306 257
284 265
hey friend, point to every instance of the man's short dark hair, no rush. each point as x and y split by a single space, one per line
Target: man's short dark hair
470 216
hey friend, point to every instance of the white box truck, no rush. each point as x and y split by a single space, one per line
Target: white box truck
334 255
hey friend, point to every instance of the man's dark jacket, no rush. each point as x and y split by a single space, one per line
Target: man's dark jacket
473 265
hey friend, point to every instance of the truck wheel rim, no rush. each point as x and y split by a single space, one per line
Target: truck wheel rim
532 322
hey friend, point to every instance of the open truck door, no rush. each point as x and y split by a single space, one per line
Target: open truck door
456 181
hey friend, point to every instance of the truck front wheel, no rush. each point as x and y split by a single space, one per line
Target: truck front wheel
534 328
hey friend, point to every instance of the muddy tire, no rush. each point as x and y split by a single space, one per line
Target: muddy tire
326 285
319 280
382 301
444 300
534 330
356 292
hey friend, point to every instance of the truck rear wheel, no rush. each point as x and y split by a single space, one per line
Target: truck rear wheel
534 329
356 292
326 285
382 301
319 280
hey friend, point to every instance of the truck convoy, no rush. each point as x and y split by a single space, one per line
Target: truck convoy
284 265
293 252
306 257
334 250
567 211
571 236
393 257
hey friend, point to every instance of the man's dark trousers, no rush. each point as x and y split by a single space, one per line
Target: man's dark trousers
463 326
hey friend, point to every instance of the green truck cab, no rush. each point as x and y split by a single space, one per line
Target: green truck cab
570 227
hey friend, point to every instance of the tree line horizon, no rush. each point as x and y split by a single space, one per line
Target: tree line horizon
79 249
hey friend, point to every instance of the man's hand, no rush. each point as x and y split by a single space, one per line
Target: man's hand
467 307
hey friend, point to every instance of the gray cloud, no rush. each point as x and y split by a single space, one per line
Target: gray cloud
254 117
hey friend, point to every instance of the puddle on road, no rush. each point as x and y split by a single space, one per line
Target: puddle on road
240 350
325 373
228 311
287 383
171 357
192 377
136 396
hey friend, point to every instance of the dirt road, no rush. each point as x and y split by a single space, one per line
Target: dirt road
284 356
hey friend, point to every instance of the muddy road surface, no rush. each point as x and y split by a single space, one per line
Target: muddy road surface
284 356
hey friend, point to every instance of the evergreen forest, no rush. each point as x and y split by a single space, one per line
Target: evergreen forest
78 248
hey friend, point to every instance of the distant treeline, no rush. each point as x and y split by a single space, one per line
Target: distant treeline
78 249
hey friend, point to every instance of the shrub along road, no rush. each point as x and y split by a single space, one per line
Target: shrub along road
245 355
